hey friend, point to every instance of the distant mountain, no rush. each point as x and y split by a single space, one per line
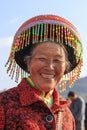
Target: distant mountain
80 87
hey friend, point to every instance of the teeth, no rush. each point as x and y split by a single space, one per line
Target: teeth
49 76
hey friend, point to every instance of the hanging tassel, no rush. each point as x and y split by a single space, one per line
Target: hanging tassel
63 84
41 34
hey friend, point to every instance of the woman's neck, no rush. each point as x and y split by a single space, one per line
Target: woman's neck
47 97
44 93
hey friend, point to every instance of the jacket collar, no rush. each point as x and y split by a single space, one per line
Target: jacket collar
29 95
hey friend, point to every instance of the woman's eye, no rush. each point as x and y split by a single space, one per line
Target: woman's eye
42 59
57 60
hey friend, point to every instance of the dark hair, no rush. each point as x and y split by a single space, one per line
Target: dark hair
68 64
71 94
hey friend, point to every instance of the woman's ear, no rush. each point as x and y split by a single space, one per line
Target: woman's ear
68 67
27 60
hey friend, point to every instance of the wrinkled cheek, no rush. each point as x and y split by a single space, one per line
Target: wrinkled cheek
34 68
60 74
62 69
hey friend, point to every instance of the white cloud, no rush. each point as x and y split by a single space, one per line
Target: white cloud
7 41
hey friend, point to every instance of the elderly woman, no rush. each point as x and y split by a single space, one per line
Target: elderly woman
47 51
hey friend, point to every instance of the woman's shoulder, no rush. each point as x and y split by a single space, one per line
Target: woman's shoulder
7 91
65 105
8 96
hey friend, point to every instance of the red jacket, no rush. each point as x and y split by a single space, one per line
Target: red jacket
21 108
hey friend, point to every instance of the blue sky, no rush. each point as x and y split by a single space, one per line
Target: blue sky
14 12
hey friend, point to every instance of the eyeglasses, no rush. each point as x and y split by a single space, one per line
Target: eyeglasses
46 60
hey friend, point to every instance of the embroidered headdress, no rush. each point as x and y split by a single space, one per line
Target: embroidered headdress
41 29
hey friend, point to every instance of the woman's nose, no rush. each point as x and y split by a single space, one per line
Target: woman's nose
50 64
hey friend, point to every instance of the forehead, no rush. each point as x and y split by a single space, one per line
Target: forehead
49 48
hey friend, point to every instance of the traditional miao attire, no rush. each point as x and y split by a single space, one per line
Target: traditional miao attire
24 107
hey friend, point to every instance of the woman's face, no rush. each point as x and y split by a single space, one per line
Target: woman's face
47 65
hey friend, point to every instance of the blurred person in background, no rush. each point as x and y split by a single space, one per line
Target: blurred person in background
77 107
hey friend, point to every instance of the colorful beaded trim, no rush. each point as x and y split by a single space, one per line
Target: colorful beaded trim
59 120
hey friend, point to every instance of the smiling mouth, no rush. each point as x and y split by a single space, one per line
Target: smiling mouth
48 76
